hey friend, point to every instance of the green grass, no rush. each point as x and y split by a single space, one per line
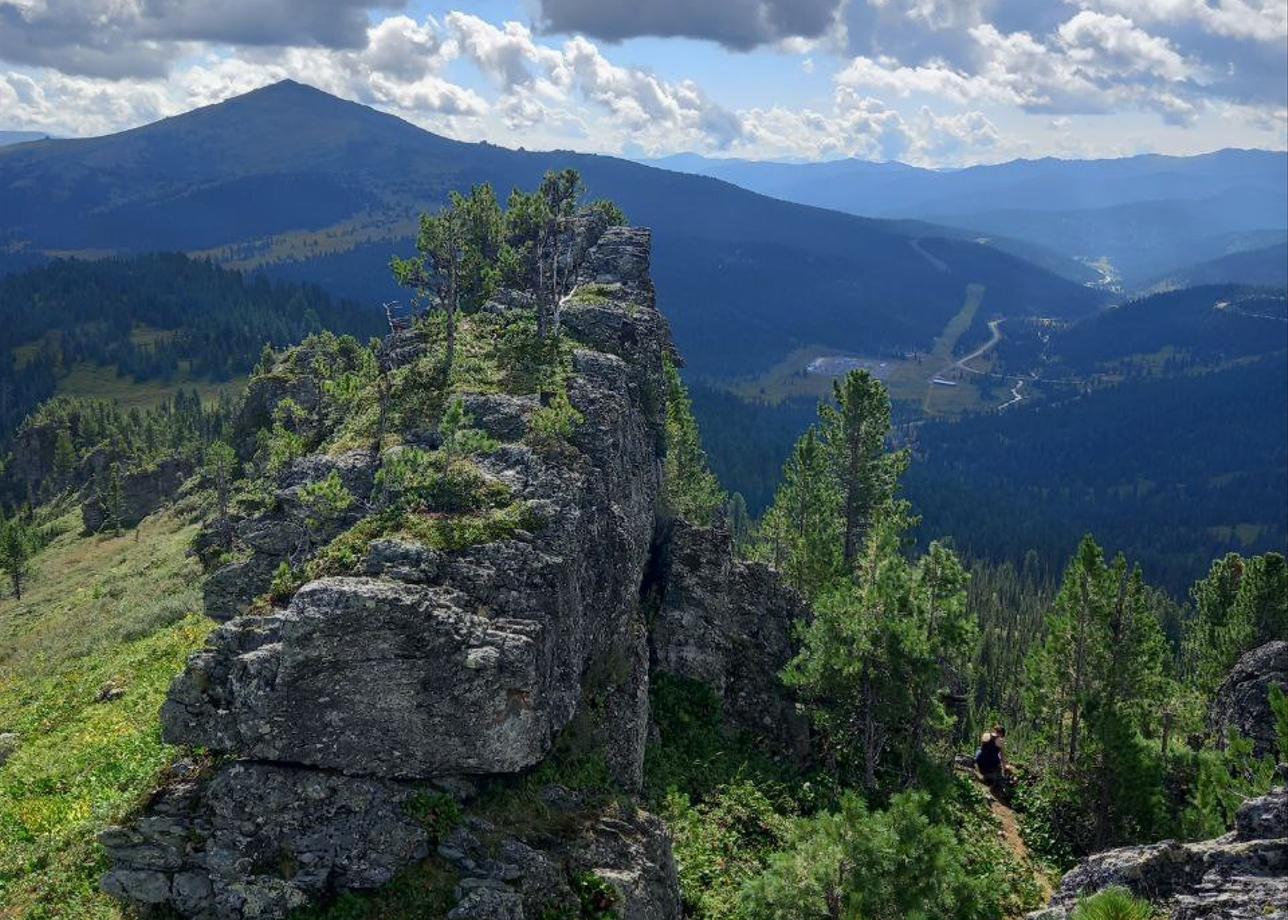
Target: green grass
92 381
908 380
97 611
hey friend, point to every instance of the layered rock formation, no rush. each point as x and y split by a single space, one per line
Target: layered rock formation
425 672
728 624
142 492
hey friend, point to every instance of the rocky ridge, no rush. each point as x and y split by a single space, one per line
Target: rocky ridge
345 724
1242 875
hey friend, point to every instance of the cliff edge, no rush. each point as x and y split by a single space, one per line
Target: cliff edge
399 682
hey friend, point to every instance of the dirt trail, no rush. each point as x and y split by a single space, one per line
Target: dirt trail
1015 843
1012 839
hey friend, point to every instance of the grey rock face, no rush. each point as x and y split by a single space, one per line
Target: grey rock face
257 840
286 532
430 665
1243 700
374 678
142 492
526 880
1241 876
728 624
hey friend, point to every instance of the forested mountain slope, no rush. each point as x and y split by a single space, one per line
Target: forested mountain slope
1266 265
156 319
1201 326
315 188
1149 215
1172 470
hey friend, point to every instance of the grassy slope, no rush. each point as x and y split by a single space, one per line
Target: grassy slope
98 611
92 381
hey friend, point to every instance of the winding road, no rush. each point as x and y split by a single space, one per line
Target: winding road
962 364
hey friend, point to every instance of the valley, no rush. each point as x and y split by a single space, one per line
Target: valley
396 527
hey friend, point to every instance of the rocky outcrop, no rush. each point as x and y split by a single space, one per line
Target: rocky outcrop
1242 702
1241 876
427 666
504 877
142 492
728 624
258 840
284 531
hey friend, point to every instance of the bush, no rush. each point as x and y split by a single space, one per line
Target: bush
722 843
596 897
437 813
552 426
325 502
416 480
879 865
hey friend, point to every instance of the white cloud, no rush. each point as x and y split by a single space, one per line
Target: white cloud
1259 20
1090 62
142 38
642 108
933 79
1113 46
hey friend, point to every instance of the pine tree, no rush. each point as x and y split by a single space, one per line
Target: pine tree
802 531
1097 688
19 540
1242 603
456 266
64 456
690 489
855 431
220 469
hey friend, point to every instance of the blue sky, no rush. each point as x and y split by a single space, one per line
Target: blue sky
932 82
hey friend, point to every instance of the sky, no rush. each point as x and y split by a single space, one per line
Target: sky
939 83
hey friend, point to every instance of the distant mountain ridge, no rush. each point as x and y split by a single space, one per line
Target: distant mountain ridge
21 137
1267 265
311 187
1148 214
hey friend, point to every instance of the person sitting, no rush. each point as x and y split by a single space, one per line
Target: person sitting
990 760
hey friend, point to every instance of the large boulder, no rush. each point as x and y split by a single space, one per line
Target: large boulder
430 687
728 624
1242 702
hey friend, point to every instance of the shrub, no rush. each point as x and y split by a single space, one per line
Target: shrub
552 426
437 813
1114 904
412 479
286 581
459 437
282 443
722 843
597 898
855 862
325 502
